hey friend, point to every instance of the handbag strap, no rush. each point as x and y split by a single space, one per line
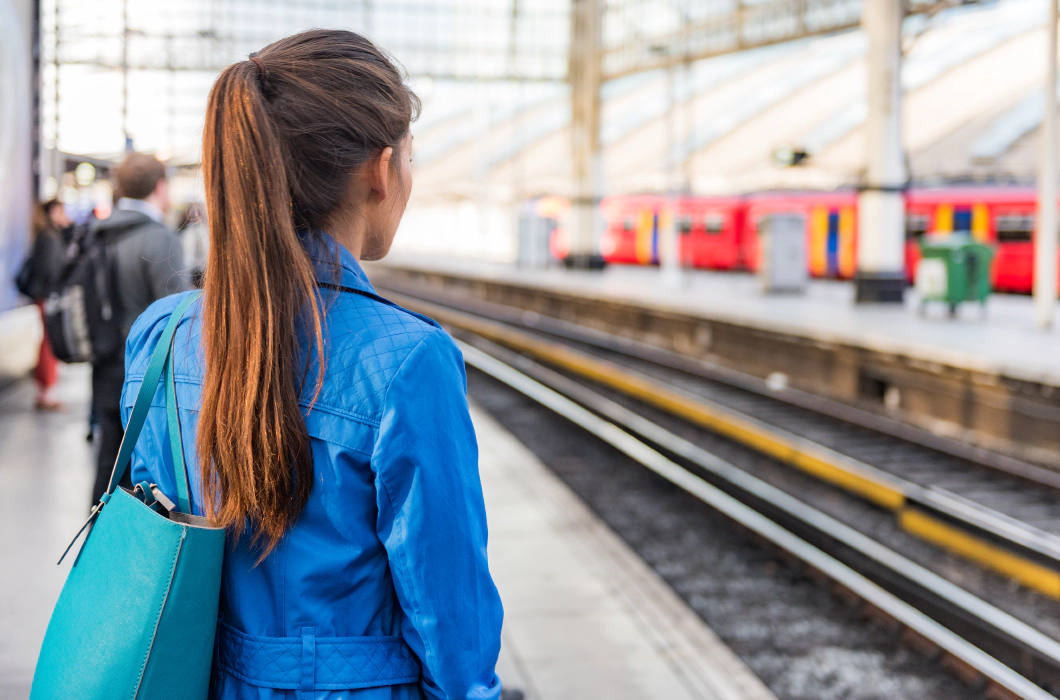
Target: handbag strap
155 369
176 439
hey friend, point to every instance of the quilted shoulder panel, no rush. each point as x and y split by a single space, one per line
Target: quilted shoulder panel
367 342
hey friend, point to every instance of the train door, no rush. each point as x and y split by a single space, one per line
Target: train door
647 235
943 223
832 241
832 245
980 224
1014 260
962 219
972 219
820 224
847 262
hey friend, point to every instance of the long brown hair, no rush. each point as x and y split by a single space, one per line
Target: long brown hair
284 132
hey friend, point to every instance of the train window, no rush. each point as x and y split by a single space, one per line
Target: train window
684 224
715 223
916 225
1014 228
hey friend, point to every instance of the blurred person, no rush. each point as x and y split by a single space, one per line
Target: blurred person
195 239
333 437
38 277
147 264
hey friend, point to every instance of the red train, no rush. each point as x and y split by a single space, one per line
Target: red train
720 233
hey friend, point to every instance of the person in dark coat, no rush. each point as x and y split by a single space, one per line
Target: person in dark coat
149 264
46 263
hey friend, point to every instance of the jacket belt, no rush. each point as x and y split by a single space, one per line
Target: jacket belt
307 662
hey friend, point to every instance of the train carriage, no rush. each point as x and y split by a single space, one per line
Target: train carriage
721 233
709 229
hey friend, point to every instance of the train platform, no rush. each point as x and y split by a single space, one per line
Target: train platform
1000 339
584 616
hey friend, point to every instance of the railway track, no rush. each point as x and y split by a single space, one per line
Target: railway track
867 457
997 511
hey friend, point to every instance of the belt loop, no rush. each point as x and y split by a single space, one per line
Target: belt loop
309 663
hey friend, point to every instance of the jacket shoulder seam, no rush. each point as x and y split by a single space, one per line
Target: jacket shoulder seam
430 333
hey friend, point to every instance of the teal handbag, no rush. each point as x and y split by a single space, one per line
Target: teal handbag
138 613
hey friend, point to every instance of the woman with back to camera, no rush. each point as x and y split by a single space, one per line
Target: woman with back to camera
332 431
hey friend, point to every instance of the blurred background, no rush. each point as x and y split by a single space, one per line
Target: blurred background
696 98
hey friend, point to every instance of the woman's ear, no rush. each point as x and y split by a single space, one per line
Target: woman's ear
380 173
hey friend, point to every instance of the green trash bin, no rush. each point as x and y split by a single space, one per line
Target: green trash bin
953 269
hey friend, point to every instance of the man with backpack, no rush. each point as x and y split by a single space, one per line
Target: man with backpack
143 261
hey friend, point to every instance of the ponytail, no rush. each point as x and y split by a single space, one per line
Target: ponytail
252 440
284 133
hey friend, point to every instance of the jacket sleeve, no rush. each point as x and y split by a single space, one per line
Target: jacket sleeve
432 521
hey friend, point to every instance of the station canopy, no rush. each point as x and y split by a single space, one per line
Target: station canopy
697 95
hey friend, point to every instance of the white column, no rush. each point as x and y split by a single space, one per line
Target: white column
669 252
1045 234
881 207
585 71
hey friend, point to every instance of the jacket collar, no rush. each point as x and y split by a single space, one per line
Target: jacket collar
142 206
323 250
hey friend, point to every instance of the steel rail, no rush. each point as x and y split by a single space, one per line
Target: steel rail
866 589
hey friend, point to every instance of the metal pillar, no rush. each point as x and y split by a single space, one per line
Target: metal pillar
125 76
57 165
881 206
1045 235
585 78
669 244
37 120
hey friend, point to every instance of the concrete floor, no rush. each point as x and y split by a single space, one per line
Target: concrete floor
46 473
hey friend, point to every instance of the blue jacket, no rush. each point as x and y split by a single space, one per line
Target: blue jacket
381 589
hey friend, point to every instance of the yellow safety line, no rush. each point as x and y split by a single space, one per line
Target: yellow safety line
1027 572
733 427
1030 574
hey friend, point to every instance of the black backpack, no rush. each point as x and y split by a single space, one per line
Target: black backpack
82 314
